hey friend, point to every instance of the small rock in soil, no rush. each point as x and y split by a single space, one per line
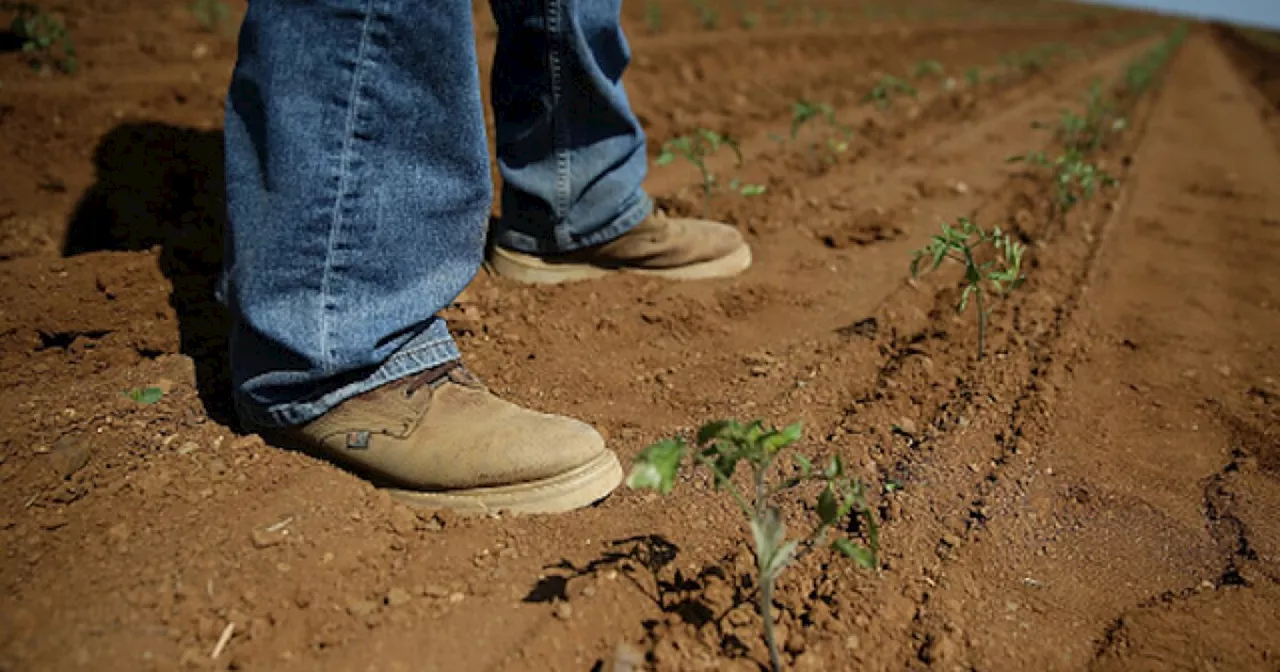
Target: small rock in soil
397 596
69 455
626 658
403 521
434 591
265 539
119 532
361 608
739 617
563 611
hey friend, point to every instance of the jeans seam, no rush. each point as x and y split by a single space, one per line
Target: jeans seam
335 227
559 119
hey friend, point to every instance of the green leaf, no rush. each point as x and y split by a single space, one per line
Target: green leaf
835 468
665 158
806 466
769 533
964 297
939 254
776 440
828 507
752 189
145 395
847 505
726 463
865 557
720 429
656 466
781 559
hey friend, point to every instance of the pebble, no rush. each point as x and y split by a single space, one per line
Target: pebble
69 455
435 591
403 521
397 596
627 658
361 608
265 539
563 611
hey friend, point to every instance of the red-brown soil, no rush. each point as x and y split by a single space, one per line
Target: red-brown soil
1099 492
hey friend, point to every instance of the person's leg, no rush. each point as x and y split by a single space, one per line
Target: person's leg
572 156
357 191
570 150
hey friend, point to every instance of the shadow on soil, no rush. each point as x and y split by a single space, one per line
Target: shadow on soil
642 561
162 185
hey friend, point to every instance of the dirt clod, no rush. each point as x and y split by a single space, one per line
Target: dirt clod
69 455
396 597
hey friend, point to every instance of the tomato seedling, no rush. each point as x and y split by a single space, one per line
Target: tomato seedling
1001 274
723 445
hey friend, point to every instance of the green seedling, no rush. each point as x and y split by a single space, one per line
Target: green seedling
720 448
820 16
1075 179
44 37
707 17
1146 69
973 76
748 20
1033 60
695 149
805 111
886 89
1000 274
145 395
212 15
740 187
653 16
1087 133
927 68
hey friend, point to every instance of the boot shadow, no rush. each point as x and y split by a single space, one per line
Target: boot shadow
162 185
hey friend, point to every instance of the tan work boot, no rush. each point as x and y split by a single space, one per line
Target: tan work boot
440 439
675 248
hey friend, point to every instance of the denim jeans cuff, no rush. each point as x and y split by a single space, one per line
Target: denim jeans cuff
433 347
635 210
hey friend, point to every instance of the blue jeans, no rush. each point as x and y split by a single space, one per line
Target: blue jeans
358 184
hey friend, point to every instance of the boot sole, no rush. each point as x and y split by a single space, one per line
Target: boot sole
530 269
574 489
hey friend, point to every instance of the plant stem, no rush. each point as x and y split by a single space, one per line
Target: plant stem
728 485
982 323
707 181
766 613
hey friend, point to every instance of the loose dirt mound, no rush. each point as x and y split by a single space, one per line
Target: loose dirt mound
1098 491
